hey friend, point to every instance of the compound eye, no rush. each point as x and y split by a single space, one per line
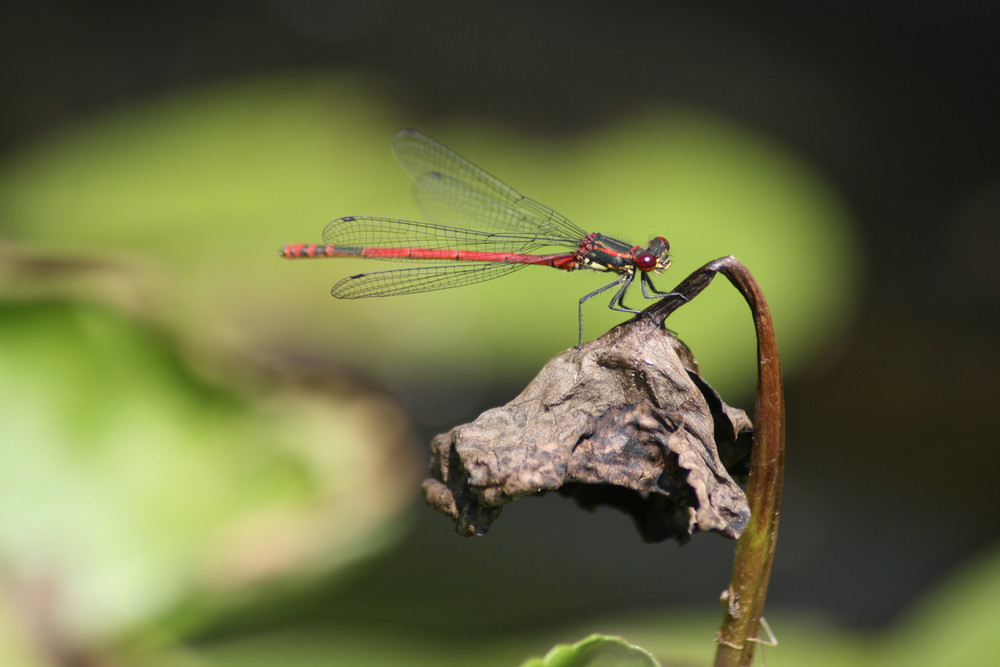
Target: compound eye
666 243
645 262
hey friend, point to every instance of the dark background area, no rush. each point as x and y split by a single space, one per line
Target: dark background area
892 447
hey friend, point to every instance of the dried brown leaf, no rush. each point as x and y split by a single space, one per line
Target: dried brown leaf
626 422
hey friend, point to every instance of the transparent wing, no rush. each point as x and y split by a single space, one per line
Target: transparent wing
371 232
452 190
421 279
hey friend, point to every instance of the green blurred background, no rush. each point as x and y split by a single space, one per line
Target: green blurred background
206 460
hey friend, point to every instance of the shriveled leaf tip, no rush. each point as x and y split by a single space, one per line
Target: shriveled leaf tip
626 422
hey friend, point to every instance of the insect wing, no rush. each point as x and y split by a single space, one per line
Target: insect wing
371 232
422 279
452 190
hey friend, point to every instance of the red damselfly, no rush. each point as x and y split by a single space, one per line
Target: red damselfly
451 190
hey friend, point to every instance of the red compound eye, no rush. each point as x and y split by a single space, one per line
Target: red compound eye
645 262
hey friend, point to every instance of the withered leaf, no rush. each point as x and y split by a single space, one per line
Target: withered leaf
625 422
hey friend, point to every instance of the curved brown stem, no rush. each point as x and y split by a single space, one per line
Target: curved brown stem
747 591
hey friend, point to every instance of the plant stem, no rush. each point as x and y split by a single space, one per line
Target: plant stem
744 599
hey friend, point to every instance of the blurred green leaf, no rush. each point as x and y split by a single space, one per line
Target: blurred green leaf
130 488
956 625
201 189
595 651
